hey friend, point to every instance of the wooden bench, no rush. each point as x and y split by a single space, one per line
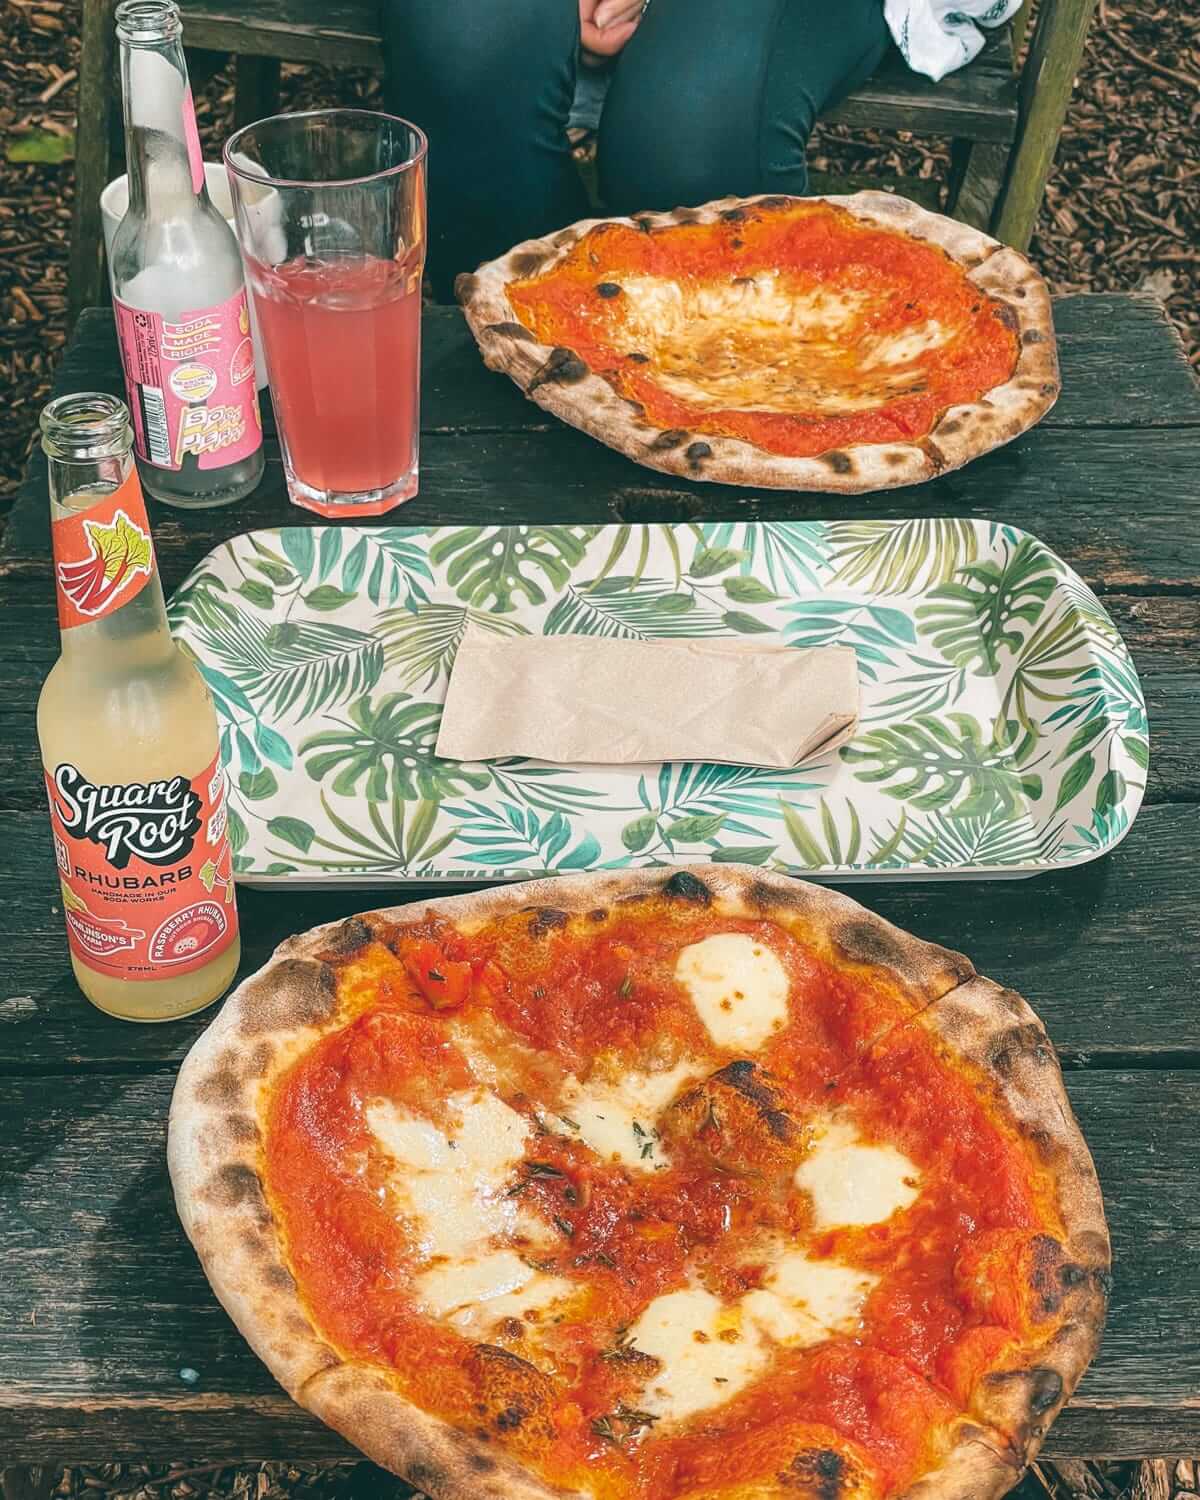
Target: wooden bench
1004 124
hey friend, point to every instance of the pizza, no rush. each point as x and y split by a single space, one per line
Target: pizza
694 1184
848 344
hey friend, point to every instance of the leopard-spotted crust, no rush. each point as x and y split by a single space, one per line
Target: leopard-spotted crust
558 380
214 1147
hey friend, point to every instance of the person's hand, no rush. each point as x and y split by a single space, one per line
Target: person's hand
606 25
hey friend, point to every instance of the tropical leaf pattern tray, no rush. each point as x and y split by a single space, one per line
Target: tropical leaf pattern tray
1003 728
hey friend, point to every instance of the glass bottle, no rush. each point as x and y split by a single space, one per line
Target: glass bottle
129 744
179 289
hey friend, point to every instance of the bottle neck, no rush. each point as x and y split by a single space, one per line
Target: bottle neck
166 172
130 633
129 640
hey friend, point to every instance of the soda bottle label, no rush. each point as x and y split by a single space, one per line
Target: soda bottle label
192 136
103 556
190 384
146 871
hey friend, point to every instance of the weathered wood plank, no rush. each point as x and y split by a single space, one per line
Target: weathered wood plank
1055 52
1099 950
93 154
256 89
926 191
978 103
105 1303
978 173
1123 365
272 1427
1090 498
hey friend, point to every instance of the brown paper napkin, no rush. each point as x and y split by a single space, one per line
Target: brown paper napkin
572 698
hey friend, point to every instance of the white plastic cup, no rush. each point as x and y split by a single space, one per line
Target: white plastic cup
114 201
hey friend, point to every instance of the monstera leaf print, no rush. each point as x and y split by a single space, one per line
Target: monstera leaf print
973 618
487 566
387 747
934 763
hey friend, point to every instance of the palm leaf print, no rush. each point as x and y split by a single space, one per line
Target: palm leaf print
421 645
291 668
899 557
643 610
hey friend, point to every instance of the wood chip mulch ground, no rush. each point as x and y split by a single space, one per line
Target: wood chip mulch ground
1069 1479
1121 213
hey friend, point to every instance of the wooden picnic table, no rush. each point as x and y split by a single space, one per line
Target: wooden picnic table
110 1339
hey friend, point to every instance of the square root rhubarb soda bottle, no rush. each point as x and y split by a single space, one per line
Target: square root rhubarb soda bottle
178 285
129 744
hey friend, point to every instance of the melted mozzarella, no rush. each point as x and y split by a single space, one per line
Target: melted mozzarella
781 1320
536 1298
618 1120
853 1183
805 1301
454 1182
738 986
830 1293
461 1285
707 1352
759 344
411 1139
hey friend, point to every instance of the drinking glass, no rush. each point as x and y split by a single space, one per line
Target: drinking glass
331 215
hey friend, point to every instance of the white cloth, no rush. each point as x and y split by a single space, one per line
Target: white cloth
937 36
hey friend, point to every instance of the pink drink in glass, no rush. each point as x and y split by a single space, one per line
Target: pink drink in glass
331 216
342 340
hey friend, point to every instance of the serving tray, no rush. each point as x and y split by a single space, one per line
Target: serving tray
1003 727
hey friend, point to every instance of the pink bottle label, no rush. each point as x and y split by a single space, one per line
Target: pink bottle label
192 136
190 384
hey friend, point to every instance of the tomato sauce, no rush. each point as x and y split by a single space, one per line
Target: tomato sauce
899 283
952 1290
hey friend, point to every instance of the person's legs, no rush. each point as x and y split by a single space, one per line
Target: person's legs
711 98
491 85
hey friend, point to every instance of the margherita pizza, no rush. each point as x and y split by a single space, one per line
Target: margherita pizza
845 344
692 1185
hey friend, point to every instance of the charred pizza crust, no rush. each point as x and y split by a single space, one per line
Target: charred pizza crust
559 380
214 1147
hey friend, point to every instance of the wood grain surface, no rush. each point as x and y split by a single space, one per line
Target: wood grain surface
104 1297
104 1304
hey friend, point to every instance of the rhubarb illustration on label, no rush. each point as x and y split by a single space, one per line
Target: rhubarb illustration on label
118 554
